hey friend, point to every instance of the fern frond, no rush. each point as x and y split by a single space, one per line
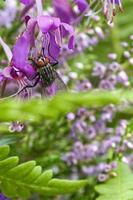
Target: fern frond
120 187
19 180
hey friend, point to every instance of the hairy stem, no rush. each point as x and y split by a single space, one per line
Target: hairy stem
39 7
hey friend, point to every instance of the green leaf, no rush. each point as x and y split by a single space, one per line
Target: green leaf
4 151
44 178
14 110
10 139
19 180
71 185
120 187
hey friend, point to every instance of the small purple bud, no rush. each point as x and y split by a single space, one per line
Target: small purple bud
112 78
114 165
112 56
70 116
123 123
107 168
81 112
123 78
78 145
99 70
99 32
71 158
93 41
85 86
96 18
120 131
107 116
126 54
114 66
102 177
88 170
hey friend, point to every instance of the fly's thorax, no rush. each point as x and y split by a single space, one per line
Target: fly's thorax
42 62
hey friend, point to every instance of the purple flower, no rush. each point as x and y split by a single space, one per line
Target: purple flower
108 113
70 158
89 171
81 112
123 78
16 127
70 116
80 126
112 56
106 85
65 11
82 41
114 66
99 70
107 168
28 48
3 197
121 129
99 32
126 54
102 177
27 2
51 30
82 5
91 132
101 167
100 126
84 86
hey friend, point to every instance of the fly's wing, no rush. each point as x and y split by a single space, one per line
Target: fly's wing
60 85
57 86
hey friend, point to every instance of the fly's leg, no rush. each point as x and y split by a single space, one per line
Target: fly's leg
32 60
21 90
54 64
29 86
30 79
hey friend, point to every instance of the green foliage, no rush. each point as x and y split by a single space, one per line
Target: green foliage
36 110
19 180
8 139
124 21
2 4
120 187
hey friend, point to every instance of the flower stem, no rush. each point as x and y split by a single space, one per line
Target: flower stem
3 88
39 7
6 49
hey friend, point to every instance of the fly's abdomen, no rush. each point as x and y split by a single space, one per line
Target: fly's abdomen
47 75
